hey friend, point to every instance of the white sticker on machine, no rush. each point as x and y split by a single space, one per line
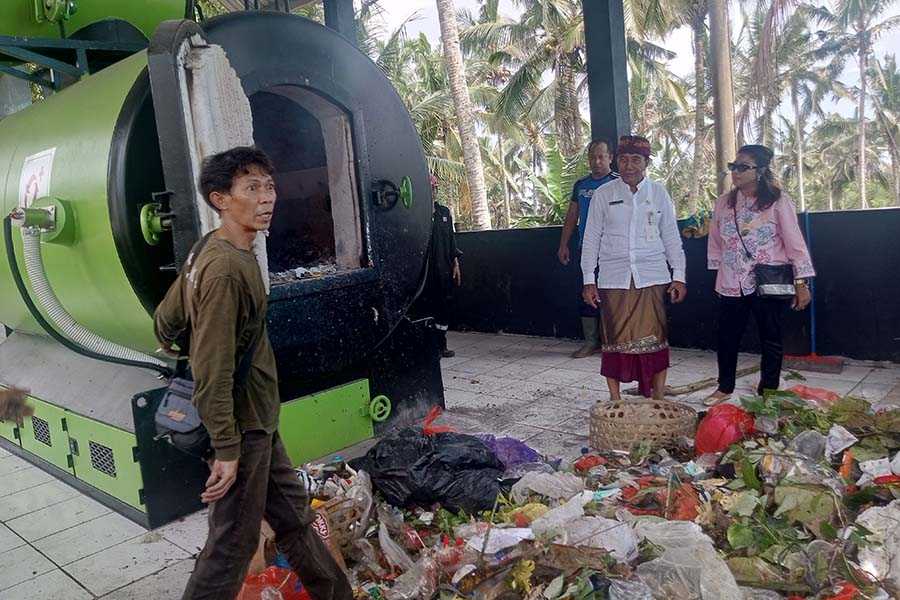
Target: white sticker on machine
34 182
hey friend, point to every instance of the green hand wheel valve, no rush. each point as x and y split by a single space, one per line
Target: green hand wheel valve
406 192
380 408
153 223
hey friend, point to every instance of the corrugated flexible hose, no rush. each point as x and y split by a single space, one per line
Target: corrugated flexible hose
71 334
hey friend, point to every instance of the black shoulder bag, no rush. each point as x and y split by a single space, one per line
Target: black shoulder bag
772 281
177 418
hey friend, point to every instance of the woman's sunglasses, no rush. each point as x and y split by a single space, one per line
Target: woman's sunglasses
740 167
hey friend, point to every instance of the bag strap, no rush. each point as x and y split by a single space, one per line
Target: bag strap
737 228
196 250
243 367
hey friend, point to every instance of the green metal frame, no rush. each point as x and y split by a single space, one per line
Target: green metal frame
8 429
18 50
57 451
127 482
17 17
70 436
319 424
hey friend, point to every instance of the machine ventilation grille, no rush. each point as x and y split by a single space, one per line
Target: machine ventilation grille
102 458
41 431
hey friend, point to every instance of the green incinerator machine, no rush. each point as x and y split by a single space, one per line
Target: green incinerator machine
98 178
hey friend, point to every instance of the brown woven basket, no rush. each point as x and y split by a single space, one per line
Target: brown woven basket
344 515
625 424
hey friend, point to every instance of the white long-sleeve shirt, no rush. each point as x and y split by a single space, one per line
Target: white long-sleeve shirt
632 236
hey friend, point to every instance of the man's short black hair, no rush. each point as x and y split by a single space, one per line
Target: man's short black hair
219 170
596 142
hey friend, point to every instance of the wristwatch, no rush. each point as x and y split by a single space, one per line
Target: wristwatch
800 282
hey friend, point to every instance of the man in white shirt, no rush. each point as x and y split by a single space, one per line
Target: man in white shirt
632 239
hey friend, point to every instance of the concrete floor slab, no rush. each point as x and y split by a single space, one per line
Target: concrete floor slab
524 387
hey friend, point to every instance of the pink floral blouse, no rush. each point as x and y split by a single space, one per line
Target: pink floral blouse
772 236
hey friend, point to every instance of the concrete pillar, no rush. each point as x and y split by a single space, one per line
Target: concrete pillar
604 29
340 16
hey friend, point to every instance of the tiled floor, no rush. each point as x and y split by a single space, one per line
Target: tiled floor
56 544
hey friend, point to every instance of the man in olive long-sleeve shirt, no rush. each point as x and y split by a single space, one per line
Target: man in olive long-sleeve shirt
221 301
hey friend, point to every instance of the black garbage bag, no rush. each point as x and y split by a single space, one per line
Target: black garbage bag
459 471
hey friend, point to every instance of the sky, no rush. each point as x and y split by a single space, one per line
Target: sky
396 11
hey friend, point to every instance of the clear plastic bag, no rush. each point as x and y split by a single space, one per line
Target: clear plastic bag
361 492
420 582
597 532
758 594
395 555
390 516
839 439
369 557
557 486
809 443
689 568
554 522
882 558
629 590
671 580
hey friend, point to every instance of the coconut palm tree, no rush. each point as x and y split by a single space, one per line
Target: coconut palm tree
463 108
832 159
853 28
548 38
886 100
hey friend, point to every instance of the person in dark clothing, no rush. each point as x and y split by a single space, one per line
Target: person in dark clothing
220 302
599 160
443 269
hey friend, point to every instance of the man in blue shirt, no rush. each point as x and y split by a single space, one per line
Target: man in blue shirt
599 159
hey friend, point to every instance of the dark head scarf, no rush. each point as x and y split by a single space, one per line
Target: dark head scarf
634 144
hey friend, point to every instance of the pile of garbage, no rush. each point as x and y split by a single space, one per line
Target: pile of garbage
303 273
785 496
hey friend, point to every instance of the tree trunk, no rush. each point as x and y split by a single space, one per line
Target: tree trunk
566 114
895 175
723 89
465 120
699 34
893 151
507 217
798 146
863 77
830 196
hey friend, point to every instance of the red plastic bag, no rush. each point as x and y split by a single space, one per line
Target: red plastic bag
428 426
282 580
722 426
819 396
588 462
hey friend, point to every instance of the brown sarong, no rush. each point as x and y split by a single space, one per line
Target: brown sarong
635 334
634 320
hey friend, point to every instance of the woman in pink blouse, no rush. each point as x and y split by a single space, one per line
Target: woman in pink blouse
768 224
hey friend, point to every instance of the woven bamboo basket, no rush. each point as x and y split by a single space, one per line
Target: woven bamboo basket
623 425
344 515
